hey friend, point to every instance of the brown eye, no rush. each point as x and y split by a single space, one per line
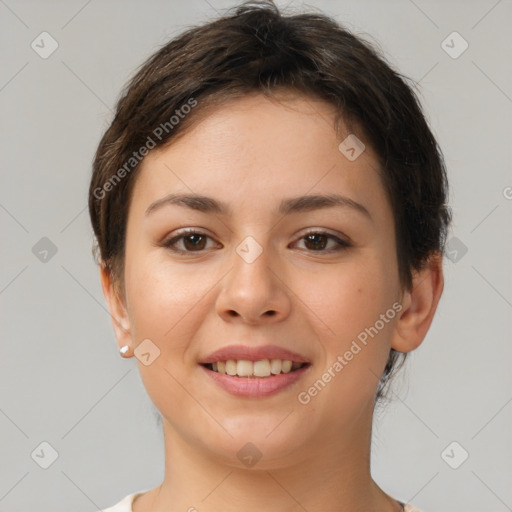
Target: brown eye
318 241
194 242
188 242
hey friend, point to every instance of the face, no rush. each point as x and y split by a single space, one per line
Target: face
252 272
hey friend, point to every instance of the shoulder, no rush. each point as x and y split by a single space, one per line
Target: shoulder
125 505
410 508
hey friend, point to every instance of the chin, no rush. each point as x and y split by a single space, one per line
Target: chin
266 442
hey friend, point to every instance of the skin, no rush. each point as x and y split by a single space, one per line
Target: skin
252 153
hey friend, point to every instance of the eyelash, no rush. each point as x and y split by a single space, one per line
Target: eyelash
342 244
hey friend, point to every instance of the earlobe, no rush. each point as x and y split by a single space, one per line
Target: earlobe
117 308
419 305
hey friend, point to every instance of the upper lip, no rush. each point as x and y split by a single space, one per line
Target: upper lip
251 353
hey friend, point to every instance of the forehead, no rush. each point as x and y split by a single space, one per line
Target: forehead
256 147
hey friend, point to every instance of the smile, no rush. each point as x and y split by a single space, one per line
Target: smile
248 379
263 368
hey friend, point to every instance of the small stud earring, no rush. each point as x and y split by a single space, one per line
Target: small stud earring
124 350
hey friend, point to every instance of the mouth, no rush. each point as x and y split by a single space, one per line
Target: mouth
261 369
255 371
255 379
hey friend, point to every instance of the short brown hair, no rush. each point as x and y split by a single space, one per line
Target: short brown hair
256 48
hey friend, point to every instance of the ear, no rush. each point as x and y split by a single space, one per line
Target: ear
117 306
419 305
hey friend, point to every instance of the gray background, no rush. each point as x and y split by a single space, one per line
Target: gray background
62 379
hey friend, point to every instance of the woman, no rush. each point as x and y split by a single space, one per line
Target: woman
269 206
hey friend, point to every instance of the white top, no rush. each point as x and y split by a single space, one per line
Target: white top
125 505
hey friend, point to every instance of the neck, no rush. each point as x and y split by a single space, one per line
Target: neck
330 474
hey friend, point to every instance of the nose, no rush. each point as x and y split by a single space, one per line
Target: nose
254 292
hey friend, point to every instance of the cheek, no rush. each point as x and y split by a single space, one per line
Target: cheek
349 297
349 302
163 298
165 304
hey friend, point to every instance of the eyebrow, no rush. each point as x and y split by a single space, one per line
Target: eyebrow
287 206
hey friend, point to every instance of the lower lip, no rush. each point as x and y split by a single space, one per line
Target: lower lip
255 387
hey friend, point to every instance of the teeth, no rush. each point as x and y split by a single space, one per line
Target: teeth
275 366
262 368
244 368
231 367
287 366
